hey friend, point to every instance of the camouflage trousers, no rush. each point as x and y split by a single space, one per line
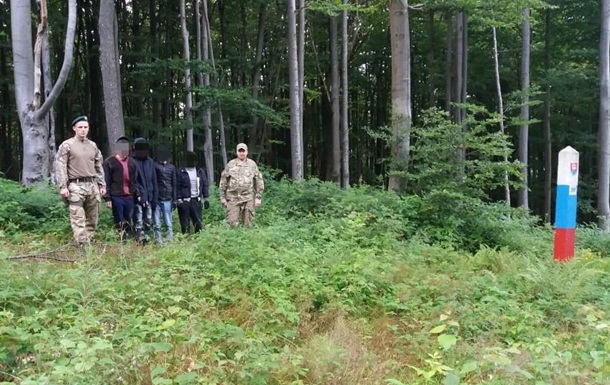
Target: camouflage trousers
240 212
84 205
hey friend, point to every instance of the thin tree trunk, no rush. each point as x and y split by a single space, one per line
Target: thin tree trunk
210 56
334 92
603 194
548 148
256 77
525 109
431 60
344 103
401 92
449 62
186 55
500 109
301 59
296 137
48 85
459 84
203 53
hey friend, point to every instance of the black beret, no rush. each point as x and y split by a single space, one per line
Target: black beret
81 118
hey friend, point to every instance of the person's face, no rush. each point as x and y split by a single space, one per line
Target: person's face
81 129
242 154
122 150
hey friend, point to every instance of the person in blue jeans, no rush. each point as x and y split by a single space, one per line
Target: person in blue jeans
120 173
147 190
166 181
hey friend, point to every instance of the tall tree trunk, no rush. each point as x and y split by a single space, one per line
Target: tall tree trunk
256 76
603 193
334 97
33 118
296 135
111 71
500 109
186 55
203 53
548 148
525 109
459 80
431 59
344 103
449 62
301 59
401 92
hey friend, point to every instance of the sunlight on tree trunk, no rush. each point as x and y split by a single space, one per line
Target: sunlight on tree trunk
296 138
525 110
344 103
186 55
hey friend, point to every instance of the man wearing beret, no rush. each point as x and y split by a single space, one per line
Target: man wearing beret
80 176
241 188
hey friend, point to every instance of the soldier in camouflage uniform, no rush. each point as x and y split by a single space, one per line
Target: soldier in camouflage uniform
80 176
241 188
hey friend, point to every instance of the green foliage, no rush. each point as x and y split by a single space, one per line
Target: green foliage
434 154
357 286
33 209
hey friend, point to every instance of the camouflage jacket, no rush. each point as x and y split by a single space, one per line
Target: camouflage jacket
241 181
76 159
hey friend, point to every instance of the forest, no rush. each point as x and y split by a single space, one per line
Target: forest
523 75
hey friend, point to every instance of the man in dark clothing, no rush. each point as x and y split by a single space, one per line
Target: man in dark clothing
120 172
147 189
166 180
192 187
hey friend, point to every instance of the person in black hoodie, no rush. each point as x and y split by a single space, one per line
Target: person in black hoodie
147 189
166 180
120 173
192 187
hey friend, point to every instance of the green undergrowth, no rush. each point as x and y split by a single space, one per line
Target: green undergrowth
329 287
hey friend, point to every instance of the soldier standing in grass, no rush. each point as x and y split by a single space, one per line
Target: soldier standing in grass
241 188
80 177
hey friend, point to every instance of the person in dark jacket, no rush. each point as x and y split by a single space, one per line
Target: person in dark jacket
192 188
120 173
147 190
166 181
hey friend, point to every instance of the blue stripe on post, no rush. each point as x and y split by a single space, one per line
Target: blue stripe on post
565 209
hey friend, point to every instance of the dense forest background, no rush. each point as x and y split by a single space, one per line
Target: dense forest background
248 89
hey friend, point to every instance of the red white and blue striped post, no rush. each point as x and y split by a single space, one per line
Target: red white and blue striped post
565 205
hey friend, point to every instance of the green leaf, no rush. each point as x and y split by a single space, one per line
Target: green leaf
161 347
394 381
167 324
438 329
469 367
447 341
162 381
173 310
157 371
186 378
452 378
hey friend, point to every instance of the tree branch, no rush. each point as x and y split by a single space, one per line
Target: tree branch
67 64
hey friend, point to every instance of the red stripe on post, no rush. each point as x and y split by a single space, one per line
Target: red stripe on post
564 244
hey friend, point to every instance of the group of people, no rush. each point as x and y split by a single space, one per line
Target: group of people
143 192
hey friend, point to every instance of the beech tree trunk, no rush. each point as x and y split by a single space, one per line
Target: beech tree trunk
296 135
500 108
525 109
186 55
111 71
546 121
401 92
603 193
34 117
334 98
344 103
